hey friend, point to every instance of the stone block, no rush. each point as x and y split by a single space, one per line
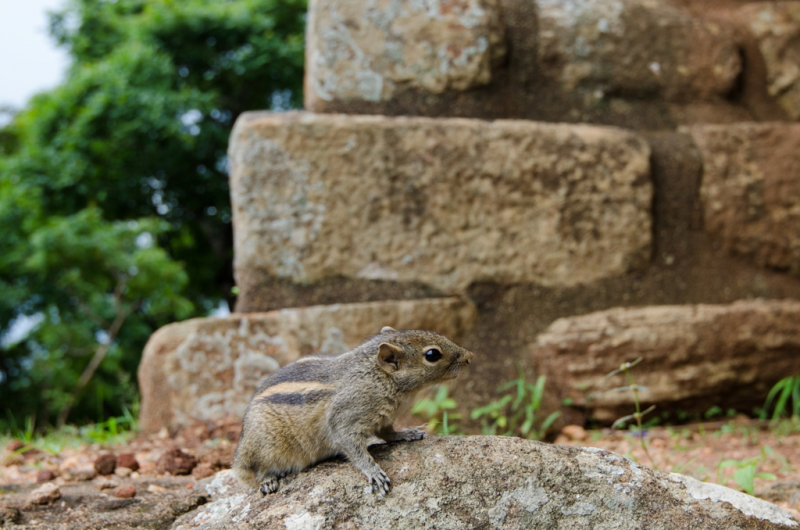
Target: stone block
776 28
641 64
693 356
751 191
638 48
372 51
208 368
444 202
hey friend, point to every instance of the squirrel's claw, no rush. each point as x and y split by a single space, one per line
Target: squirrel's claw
270 485
379 483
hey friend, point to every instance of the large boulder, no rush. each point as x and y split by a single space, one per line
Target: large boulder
485 482
441 202
750 190
693 356
208 368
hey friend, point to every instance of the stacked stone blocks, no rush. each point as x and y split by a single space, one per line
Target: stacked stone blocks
527 176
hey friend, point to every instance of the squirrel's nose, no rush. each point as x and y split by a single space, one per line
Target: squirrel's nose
468 357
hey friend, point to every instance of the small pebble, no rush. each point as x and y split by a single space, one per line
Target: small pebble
202 471
105 464
125 492
45 494
123 472
152 488
107 484
176 462
128 460
190 486
575 432
135 475
45 475
86 473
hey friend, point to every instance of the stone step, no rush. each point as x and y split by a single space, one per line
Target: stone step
642 64
439 202
750 190
693 356
208 368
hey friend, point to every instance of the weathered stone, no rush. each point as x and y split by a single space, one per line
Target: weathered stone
693 356
443 202
636 48
45 494
776 28
373 50
442 483
750 190
208 368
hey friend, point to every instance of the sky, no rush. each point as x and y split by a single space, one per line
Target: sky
29 59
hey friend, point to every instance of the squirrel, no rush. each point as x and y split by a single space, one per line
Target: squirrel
320 406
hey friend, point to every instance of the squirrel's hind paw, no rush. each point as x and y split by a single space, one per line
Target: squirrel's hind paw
270 485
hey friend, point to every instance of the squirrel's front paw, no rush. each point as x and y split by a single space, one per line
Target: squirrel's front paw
270 485
379 482
410 435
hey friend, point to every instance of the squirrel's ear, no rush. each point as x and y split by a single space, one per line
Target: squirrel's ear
384 329
389 357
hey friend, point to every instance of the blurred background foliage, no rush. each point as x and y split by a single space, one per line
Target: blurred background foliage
114 200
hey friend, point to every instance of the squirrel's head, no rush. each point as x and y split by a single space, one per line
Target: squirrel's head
416 358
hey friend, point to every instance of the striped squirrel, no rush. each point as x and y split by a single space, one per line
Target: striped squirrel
321 406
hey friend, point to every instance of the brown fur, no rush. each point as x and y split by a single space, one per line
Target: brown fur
320 406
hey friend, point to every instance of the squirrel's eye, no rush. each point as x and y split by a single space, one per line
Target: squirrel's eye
433 355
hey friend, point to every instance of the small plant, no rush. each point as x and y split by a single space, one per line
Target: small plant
436 411
786 390
638 415
516 413
745 473
111 429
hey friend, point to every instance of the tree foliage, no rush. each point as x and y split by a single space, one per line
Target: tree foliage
113 188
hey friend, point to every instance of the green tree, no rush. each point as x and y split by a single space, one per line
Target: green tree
113 188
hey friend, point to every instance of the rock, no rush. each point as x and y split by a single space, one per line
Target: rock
444 202
128 460
123 472
125 492
105 464
153 488
575 432
442 483
750 190
45 475
79 475
14 445
374 51
636 48
107 484
776 28
176 462
693 356
209 368
202 471
10 514
45 494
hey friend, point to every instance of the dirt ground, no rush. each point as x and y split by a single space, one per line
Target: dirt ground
164 483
